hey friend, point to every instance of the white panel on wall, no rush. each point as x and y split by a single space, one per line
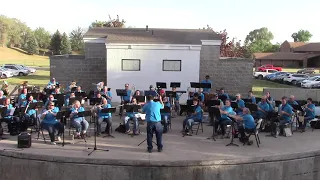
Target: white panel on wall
172 65
131 64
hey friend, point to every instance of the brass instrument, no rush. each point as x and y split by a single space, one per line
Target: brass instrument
133 89
4 88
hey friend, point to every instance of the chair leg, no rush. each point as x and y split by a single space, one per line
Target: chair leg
201 127
44 138
256 139
198 129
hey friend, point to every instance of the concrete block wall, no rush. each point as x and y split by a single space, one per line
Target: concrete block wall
77 67
299 93
232 74
95 50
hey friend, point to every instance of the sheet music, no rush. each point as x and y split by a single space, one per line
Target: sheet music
12 111
139 115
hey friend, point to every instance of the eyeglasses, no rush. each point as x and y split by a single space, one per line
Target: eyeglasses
51 105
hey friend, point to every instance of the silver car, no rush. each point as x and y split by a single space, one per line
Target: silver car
17 70
5 73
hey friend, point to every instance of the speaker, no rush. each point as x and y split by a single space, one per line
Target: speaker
24 140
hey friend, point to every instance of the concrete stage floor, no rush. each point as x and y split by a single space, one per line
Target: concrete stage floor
187 150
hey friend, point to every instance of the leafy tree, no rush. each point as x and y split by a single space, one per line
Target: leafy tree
65 44
76 39
259 40
55 44
301 36
3 31
32 45
110 23
43 37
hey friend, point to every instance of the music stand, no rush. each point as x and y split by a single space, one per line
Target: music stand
175 84
216 113
121 92
73 89
95 101
205 85
63 115
80 94
171 94
48 91
278 103
60 100
140 99
258 99
71 100
195 85
106 110
252 107
232 135
234 105
150 93
3 111
161 85
296 108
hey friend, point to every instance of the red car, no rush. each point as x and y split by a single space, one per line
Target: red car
269 66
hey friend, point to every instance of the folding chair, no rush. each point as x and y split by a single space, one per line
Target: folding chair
41 131
256 133
199 124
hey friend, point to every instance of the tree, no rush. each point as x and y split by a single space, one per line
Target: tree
76 39
65 44
3 32
259 40
301 36
110 23
32 45
43 37
55 44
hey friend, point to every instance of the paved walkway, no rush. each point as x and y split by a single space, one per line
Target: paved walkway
176 147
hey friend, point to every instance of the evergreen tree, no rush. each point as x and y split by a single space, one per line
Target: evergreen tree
55 44
32 45
65 44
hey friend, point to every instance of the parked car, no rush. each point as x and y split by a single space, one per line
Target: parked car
270 76
269 66
293 78
17 70
5 73
261 74
311 82
280 77
32 70
307 71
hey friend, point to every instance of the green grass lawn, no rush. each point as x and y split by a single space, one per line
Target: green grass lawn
39 78
258 86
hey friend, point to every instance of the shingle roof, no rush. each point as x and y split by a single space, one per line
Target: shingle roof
283 56
296 44
309 47
159 36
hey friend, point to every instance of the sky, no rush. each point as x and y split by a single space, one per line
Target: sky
238 17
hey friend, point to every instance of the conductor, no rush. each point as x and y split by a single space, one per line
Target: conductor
153 118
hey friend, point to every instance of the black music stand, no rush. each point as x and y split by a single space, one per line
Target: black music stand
234 105
171 94
140 99
106 110
205 85
63 115
73 89
95 101
252 107
80 94
71 100
175 84
296 108
150 93
190 110
278 103
161 85
216 113
48 91
60 100
2 113
195 85
232 135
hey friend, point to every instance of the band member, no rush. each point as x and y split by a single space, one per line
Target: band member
125 99
269 101
130 116
224 120
5 88
106 117
263 108
56 91
285 117
153 118
72 85
309 109
252 97
79 123
107 94
22 97
67 100
248 125
78 90
194 117
240 103
136 93
14 123
49 99
211 115
201 96
207 81
223 95
292 101
176 100
99 86
31 114
2 96
50 123
165 117
52 84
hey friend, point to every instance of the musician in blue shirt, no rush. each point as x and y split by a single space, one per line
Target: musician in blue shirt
50 123
107 94
201 96
67 100
125 99
131 116
79 123
49 99
176 100
165 117
309 109
31 114
153 118
106 117
285 111
22 97
252 97
52 84
240 103
10 119
56 91
78 90
263 108
270 101
196 116
224 120
291 101
223 95
207 81
1 95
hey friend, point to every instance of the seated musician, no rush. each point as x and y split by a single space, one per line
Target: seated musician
107 94
2 96
285 112
78 90
49 99
292 101
104 117
252 97
240 103
50 123
56 91
125 99
13 121
211 115
248 125
207 81
165 117
270 101
224 94
201 96
224 120
136 93
31 114
309 109
22 97
176 100
52 84
67 100
196 116
79 123
263 109
130 116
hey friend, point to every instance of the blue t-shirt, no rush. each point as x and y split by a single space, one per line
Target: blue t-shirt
75 117
241 105
253 100
50 118
248 121
21 100
229 110
201 95
311 113
207 81
264 106
152 110
105 115
288 109
32 111
198 112
48 101
128 96
7 113
292 103
50 84
225 95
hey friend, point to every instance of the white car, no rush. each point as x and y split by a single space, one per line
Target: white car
262 74
32 70
293 78
6 73
311 82
17 70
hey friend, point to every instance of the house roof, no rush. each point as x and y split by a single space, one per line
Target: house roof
152 36
308 47
284 56
296 44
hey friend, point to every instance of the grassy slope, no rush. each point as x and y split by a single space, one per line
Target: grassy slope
258 86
